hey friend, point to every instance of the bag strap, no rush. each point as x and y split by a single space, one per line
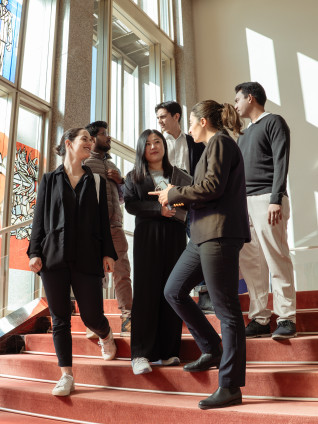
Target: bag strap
97 184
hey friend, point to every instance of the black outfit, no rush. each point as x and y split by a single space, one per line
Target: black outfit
195 152
265 147
71 234
158 243
219 228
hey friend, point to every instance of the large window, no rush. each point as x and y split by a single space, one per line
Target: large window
10 21
131 75
26 70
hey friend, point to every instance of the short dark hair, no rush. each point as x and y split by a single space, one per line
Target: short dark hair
171 106
141 165
70 134
253 88
94 127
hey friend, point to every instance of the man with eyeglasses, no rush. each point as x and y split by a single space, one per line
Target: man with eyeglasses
100 163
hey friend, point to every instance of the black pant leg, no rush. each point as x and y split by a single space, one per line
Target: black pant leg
57 289
146 290
186 274
219 259
88 292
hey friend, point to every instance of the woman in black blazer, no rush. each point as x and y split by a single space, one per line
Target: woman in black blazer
159 240
71 246
219 228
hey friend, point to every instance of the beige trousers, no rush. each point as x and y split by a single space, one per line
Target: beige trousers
121 275
267 253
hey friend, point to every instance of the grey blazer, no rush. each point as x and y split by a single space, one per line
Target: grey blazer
217 198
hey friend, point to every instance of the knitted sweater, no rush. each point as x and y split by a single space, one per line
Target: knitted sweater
100 166
265 148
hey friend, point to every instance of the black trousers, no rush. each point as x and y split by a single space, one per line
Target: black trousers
155 327
217 261
88 292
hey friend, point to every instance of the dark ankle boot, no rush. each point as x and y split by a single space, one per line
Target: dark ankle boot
205 362
222 398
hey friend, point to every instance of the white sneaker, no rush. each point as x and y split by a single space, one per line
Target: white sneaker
90 334
140 366
64 386
108 347
173 361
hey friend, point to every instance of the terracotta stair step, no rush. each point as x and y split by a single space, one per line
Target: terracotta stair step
281 381
14 418
307 322
299 349
305 300
112 406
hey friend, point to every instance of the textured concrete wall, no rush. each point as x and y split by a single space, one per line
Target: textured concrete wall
73 63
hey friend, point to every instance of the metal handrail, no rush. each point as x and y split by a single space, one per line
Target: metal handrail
15 226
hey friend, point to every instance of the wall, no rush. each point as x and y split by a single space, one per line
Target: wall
222 61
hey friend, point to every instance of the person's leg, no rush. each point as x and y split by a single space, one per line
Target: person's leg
121 274
170 324
88 293
220 264
255 272
56 284
273 240
148 269
185 275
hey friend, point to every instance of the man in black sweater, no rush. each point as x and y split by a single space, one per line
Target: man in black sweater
265 146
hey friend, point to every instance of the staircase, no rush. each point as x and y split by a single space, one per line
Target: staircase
281 380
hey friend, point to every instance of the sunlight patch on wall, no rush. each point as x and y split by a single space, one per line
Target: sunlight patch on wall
308 71
262 62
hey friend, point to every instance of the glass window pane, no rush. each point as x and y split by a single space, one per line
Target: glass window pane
131 87
115 126
94 60
39 38
10 19
130 105
164 16
25 179
5 113
151 8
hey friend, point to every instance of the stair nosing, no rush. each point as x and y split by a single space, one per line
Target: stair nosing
128 389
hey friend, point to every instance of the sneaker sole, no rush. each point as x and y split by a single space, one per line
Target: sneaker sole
145 371
63 393
232 403
283 337
258 336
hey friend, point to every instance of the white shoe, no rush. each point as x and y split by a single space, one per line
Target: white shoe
108 347
173 361
90 334
64 386
140 366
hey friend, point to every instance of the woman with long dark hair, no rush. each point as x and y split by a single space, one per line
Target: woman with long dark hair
71 246
219 228
159 240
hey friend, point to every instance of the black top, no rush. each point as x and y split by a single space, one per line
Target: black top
265 148
195 152
71 224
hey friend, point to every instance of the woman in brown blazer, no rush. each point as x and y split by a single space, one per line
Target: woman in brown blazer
219 228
